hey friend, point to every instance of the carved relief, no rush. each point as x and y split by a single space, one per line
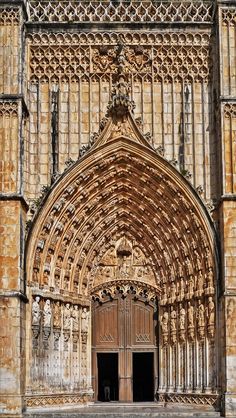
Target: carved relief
179 56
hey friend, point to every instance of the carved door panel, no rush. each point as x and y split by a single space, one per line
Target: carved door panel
105 326
124 325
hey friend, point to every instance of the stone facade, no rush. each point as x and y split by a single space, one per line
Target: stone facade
117 174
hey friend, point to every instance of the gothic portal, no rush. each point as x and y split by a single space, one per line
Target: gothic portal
117 203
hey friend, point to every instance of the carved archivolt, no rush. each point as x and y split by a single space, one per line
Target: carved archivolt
173 57
135 11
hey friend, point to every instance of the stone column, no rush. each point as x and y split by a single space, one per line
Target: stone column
12 209
227 210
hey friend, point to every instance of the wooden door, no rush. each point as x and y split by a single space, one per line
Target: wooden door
123 325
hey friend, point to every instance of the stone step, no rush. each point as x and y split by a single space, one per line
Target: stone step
114 410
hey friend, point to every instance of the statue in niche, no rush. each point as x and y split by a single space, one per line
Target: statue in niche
59 262
181 287
124 267
66 283
211 311
182 316
84 320
75 318
36 313
173 317
57 281
180 269
173 290
57 315
190 283
210 279
200 315
190 315
200 282
164 292
164 322
189 267
67 316
45 277
47 314
35 275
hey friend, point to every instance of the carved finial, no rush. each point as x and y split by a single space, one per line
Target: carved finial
121 103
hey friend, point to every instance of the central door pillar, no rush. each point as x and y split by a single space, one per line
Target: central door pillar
125 376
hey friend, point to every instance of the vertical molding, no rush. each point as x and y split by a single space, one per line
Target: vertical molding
173 118
193 134
203 139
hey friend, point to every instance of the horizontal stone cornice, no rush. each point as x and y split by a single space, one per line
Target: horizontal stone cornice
14 197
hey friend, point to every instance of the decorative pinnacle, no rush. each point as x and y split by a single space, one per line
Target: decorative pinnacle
121 103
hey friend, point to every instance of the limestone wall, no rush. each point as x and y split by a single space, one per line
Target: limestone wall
70 77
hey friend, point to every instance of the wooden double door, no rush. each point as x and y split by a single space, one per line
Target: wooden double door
124 349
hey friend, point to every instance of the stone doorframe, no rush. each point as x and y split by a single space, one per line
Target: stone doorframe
124 321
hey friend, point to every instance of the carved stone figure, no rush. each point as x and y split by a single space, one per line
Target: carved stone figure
210 279
190 283
57 315
47 314
211 312
67 316
190 315
181 287
200 281
75 318
84 320
164 322
173 317
200 315
182 316
36 314
173 290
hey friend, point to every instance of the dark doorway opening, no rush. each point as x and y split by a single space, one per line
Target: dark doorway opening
143 377
107 377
